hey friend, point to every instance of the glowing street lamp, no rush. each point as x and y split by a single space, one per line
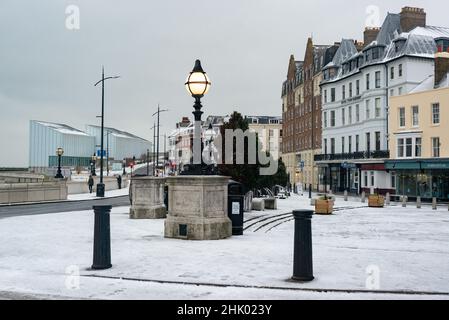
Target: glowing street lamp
197 84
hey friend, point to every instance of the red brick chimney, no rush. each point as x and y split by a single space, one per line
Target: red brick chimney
411 18
369 35
441 66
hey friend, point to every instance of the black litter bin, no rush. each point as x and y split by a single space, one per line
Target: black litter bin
235 207
166 197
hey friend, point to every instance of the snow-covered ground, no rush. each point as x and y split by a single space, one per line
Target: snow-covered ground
93 195
406 245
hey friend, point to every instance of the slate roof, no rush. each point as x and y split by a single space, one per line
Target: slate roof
390 27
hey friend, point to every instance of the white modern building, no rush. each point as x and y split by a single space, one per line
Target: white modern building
46 137
79 146
356 88
118 144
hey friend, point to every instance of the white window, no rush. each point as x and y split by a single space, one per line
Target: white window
402 117
409 147
325 119
436 147
367 102
400 90
343 116
418 147
372 179
400 70
357 113
350 115
436 113
333 118
415 116
377 79
377 107
400 148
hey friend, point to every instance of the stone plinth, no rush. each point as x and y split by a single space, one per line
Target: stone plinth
147 198
198 208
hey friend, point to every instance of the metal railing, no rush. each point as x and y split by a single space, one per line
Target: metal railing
381 154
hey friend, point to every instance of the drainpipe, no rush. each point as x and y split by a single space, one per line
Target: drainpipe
387 104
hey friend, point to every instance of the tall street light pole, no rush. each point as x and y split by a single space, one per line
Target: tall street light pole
158 112
154 149
100 185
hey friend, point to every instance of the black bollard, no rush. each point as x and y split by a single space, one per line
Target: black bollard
302 257
310 191
102 238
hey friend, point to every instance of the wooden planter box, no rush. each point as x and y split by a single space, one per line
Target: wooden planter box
324 206
376 201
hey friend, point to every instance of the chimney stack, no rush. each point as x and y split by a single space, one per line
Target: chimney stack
370 34
411 18
441 66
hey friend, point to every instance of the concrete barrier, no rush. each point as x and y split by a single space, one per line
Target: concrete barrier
33 192
258 204
271 203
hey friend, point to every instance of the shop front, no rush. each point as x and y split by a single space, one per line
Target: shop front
424 178
339 177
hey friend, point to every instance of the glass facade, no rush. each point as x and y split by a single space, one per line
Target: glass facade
427 184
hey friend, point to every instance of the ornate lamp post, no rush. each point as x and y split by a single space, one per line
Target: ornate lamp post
93 165
197 84
59 153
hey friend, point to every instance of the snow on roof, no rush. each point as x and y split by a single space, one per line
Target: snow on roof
432 31
429 84
415 45
425 85
390 27
119 133
346 50
420 42
62 128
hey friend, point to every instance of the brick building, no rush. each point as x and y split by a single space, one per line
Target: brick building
301 110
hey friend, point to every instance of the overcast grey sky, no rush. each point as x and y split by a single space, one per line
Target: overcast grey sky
47 72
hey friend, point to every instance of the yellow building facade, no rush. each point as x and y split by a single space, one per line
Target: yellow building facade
419 138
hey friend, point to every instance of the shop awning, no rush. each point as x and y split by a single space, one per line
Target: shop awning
417 164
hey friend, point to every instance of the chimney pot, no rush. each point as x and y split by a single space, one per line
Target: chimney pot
411 18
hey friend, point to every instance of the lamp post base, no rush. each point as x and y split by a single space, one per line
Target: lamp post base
59 176
100 190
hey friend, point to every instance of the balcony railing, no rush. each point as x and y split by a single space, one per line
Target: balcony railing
381 154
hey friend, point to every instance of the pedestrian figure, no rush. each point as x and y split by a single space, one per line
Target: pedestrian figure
90 182
119 181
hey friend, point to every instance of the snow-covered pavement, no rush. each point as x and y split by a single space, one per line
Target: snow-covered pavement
107 194
407 246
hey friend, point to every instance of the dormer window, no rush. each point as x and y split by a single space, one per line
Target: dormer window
442 44
399 44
